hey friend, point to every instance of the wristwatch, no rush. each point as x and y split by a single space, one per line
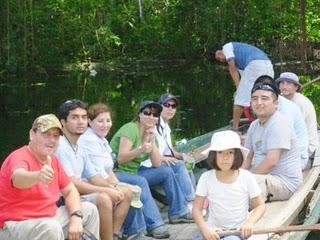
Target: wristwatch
77 213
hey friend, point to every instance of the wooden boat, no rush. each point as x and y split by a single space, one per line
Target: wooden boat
302 208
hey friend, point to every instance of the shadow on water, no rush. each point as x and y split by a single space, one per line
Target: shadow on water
205 98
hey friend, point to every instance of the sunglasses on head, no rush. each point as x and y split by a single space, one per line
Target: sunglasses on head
264 86
149 113
167 105
74 102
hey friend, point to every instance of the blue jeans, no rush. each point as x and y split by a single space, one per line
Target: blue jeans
165 176
184 180
138 219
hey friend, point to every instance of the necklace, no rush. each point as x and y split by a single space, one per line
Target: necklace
74 147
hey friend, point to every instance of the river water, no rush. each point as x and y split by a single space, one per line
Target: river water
205 98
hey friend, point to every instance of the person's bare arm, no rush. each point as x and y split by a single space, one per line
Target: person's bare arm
234 72
112 179
155 156
97 184
248 161
72 201
206 231
270 161
22 178
256 213
127 153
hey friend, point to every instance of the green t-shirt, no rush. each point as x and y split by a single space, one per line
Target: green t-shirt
131 131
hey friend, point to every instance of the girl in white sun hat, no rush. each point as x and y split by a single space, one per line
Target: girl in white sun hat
229 189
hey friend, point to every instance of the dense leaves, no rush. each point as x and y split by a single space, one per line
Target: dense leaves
50 33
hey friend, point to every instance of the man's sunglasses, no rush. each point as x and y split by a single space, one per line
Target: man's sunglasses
149 113
265 87
167 105
74 103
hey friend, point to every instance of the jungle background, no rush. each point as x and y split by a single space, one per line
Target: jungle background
52 50
122 51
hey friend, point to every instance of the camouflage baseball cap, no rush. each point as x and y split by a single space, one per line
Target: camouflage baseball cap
46 122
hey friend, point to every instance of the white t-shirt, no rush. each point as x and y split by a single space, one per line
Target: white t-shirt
228 203
310 118
163 133
228 51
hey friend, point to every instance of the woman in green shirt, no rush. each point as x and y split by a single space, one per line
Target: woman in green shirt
137 153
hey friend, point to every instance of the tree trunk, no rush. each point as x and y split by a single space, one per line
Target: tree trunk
303 35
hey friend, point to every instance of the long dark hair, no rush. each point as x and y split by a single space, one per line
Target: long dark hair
237 161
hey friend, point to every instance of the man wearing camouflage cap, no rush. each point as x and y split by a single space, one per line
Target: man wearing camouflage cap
31 182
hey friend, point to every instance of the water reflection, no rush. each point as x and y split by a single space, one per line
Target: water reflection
205 98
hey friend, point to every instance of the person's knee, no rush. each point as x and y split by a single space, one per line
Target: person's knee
181 166
104 202
142 182
51 229
167 171
128 195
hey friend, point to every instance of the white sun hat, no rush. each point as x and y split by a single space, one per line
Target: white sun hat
224 140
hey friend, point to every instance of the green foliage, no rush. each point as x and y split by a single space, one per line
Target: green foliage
312 92
51 33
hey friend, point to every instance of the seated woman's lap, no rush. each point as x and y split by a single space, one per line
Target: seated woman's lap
157 175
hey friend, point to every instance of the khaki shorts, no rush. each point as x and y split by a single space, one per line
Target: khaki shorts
273 187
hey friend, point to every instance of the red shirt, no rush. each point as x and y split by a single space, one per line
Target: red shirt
36 202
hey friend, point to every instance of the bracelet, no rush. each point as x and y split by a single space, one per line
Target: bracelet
113 185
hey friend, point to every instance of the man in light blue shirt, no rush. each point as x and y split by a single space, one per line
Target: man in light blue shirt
248 62
112 201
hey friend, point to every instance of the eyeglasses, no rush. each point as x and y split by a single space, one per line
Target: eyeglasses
167 105
264 86
147 113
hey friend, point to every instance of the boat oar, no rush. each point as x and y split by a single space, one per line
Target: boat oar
282 229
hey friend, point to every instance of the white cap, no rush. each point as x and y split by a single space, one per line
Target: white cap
224 140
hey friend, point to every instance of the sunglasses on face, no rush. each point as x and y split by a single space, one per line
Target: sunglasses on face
168 105
149 113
